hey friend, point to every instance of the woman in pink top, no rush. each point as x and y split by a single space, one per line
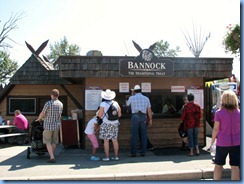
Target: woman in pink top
227 131
20 121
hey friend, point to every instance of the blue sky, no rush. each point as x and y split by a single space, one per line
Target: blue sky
111 25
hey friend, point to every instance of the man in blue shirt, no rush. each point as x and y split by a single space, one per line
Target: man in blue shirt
140 107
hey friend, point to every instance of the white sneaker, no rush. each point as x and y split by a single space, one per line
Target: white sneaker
115 158
106 159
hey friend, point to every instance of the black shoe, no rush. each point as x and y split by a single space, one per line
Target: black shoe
142 155
131 155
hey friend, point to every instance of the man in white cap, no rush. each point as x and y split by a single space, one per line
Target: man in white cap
140 107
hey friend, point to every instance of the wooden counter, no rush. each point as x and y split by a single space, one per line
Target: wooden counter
163 133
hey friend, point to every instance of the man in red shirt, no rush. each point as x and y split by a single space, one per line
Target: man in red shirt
191 115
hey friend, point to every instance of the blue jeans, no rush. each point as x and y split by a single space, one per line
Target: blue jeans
192 134
138 124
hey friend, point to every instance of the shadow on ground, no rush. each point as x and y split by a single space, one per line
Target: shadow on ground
174 151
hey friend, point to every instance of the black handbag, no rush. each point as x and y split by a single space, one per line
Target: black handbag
181 131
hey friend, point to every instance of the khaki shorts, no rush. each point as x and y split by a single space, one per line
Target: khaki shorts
50 137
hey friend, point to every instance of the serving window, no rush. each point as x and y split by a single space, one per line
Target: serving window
158 99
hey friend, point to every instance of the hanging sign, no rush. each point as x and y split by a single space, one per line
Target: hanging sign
178 88
146 64
124 87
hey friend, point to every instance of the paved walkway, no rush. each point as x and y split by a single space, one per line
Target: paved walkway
74 164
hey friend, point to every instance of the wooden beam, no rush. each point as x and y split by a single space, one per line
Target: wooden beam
79 106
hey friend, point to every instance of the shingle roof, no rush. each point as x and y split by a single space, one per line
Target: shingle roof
108 66
37 71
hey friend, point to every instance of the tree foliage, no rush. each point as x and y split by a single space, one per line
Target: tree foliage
232 39
162 49
62 48
7 67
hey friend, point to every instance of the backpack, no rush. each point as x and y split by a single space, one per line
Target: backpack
112 113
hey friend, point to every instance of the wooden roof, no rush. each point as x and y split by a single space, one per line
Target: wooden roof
75 67
37 71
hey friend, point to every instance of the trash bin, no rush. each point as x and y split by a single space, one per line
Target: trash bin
70 133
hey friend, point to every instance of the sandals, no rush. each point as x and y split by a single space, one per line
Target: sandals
51 160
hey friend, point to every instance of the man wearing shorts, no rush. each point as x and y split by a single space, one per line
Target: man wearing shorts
51 113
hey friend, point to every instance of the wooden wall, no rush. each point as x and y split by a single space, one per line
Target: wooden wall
42 90
163 133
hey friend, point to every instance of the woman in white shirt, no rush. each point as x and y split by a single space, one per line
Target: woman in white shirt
109 129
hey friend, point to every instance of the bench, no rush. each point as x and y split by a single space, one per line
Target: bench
12 135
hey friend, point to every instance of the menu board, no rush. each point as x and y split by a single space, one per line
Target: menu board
198 94
124 87
146 87
92 98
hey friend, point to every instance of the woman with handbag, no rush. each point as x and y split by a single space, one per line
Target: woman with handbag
109 128
191 115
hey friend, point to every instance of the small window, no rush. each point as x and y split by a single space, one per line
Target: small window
25 105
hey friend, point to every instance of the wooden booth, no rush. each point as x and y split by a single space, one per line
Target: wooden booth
81 79
160 79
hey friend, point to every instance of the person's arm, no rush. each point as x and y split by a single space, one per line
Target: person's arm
149 114
96 128
215 132
100 112
119 111
41 115
128 101
14 121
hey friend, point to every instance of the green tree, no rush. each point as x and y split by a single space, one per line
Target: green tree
62 48
232 39
7 67
162 49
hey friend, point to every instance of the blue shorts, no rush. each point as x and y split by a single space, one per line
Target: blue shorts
222 152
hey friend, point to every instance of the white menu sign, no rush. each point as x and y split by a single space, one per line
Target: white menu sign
198 96
124 87
146 87
92 98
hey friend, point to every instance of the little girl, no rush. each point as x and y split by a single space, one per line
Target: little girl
90 131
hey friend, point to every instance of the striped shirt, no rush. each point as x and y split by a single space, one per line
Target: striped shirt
138 102
53 111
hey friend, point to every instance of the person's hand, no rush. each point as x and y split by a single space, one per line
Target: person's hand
149 123
96 127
